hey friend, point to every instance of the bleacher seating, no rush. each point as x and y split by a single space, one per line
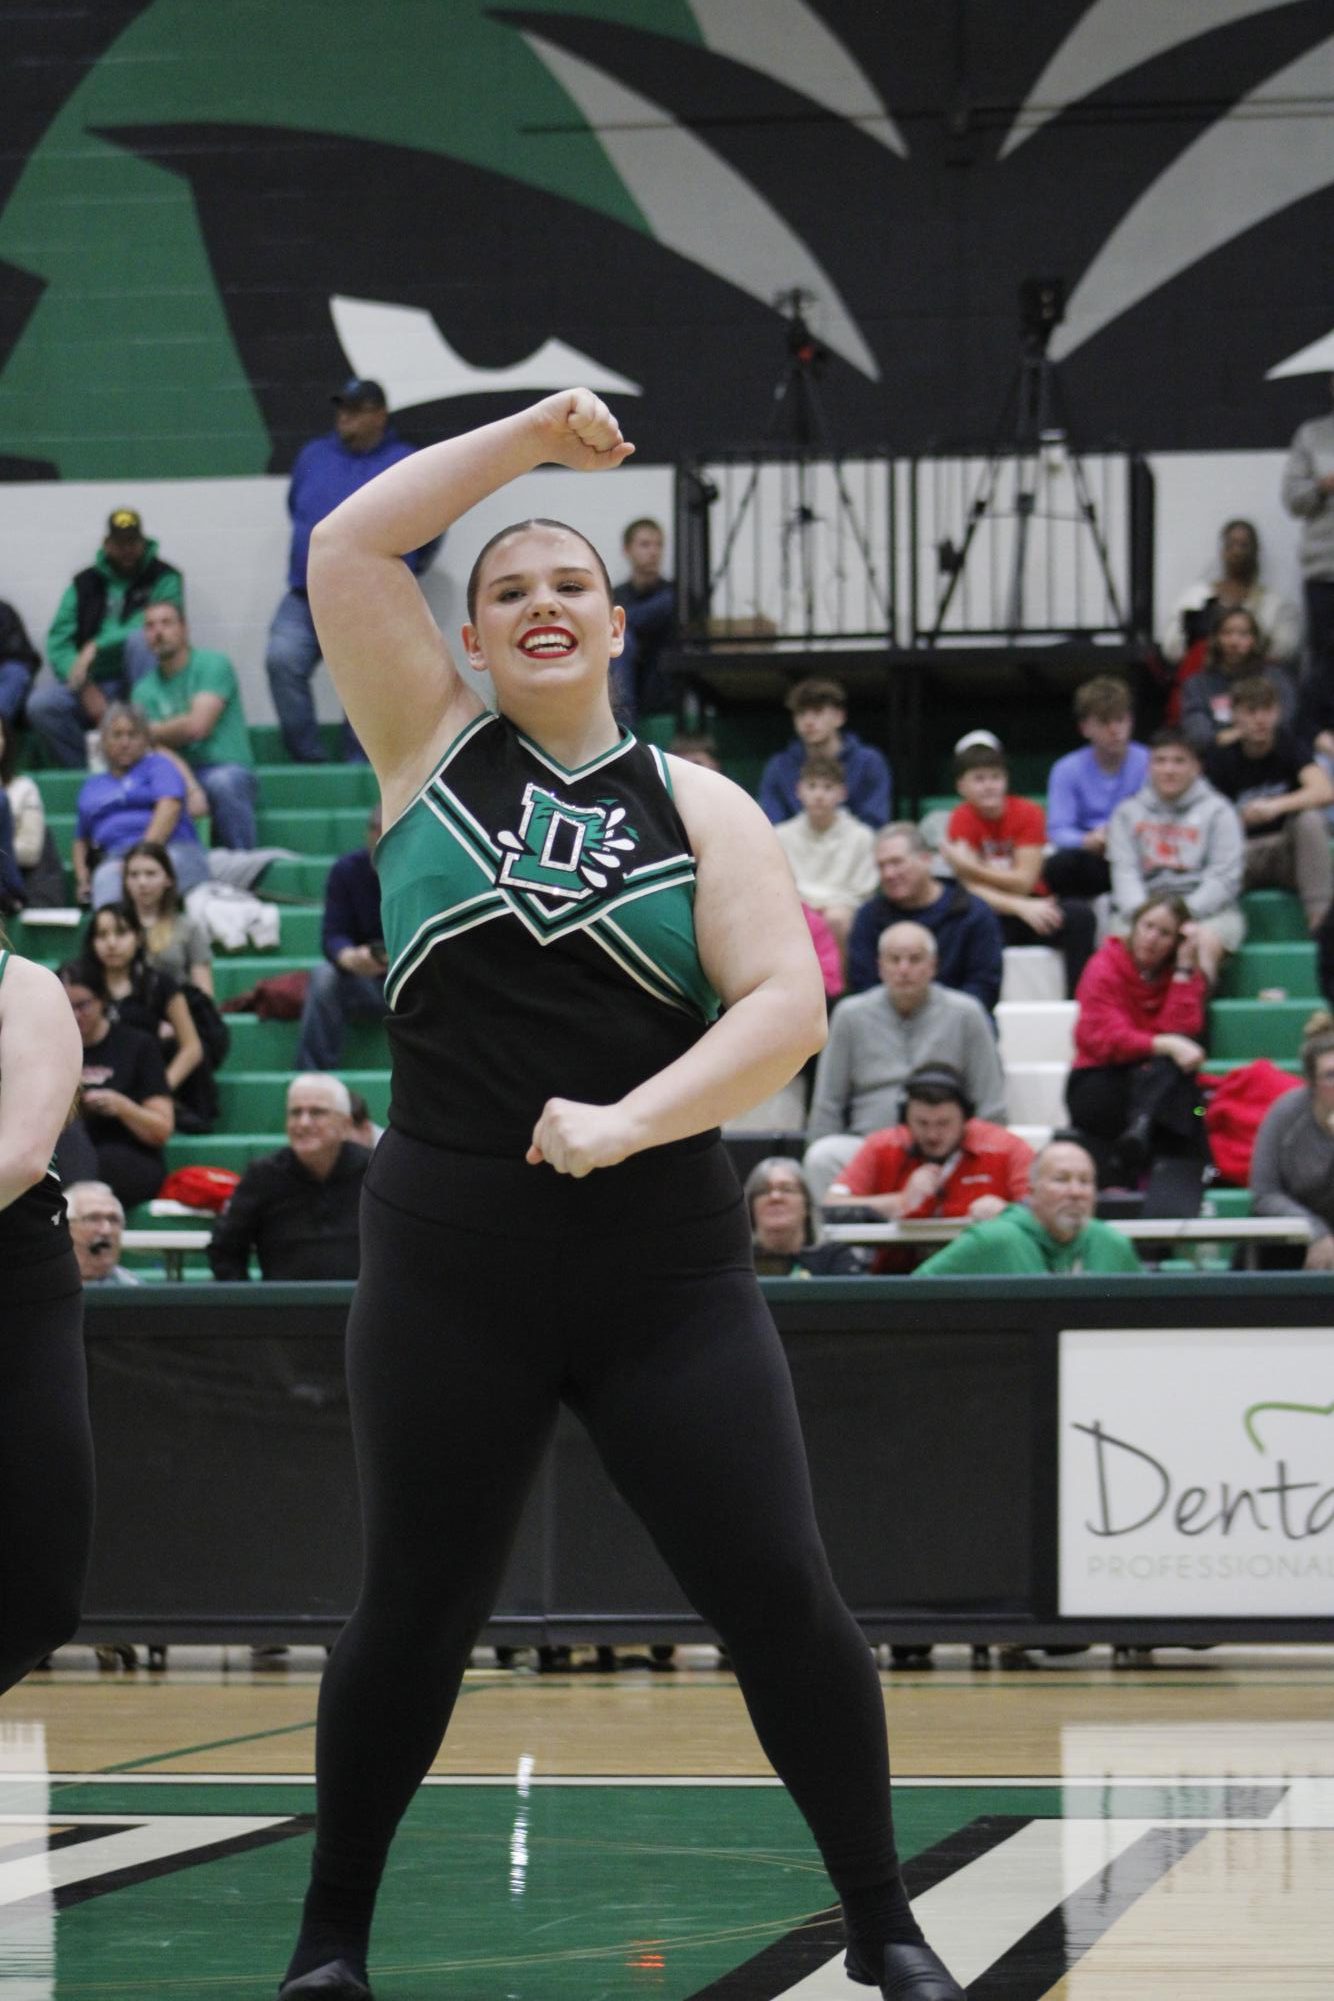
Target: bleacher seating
320 811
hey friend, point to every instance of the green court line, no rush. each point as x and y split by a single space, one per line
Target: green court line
192 1750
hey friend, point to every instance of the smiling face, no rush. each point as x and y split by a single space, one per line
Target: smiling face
316 1124
778 1210
985 789
544 622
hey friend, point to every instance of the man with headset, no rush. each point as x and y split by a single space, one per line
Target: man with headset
938 1160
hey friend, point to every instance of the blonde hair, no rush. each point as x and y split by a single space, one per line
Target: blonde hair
1317 1040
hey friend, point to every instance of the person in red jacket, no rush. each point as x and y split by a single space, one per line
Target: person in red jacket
939 1161
1132 1091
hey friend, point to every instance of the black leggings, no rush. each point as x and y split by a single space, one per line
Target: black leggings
1103 1100
46 1465
490 1292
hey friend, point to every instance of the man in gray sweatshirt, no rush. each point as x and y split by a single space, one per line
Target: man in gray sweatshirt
1177 836
1308 493
879 1038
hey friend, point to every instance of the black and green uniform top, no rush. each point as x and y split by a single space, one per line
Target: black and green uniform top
33 1227
539 924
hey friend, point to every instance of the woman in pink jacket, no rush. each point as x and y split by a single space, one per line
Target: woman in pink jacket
1132 1091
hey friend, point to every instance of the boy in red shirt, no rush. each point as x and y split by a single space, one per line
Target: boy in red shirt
994 845
940 1161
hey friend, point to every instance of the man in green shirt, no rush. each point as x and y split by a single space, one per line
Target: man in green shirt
96 643
1054 1230
193 707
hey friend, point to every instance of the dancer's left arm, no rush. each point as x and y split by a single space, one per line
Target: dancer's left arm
41 1059
756 951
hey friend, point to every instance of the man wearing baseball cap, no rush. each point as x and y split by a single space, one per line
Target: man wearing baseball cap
96 645
362 443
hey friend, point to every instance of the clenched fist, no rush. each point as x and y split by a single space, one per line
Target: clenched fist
578 430
574 1138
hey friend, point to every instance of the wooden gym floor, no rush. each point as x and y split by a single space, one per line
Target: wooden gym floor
1072 1831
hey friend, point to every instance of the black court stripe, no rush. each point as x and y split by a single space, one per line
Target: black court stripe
68 1837
1035 1963
819 1938
70 1894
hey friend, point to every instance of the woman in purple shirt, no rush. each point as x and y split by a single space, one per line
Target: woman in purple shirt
141 796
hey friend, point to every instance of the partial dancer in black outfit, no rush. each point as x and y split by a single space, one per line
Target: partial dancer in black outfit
46 1457
565 910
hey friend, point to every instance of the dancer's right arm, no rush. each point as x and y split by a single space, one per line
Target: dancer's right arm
41 1059
389 662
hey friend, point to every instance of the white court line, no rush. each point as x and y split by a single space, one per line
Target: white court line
1094 1781
151 1841
978 1913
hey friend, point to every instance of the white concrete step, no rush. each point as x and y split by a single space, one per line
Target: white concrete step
1036 1031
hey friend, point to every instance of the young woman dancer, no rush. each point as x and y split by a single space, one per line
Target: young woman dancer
46 1467
564 910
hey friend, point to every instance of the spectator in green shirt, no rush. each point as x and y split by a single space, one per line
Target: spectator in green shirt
96 643
193 705
1054 1230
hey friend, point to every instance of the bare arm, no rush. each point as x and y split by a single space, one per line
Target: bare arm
198 721
153 1121
1314 790
41 1056
1014 878
196 799
756 951
166 814
389 662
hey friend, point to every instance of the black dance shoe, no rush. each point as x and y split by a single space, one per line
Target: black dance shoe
335 1982
911 1973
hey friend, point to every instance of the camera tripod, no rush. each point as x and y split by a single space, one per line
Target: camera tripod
1033 428
798 419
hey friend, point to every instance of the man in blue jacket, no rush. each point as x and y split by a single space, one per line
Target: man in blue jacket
819 717
966 930
361 444
347 984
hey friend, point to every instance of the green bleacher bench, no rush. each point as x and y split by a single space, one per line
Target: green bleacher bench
1274 916
271 1045
1270 964
234 1150
1241 1030
256 1100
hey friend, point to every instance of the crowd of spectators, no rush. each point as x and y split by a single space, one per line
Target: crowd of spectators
1132 876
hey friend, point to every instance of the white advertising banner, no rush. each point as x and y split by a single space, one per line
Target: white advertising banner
1197 1472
